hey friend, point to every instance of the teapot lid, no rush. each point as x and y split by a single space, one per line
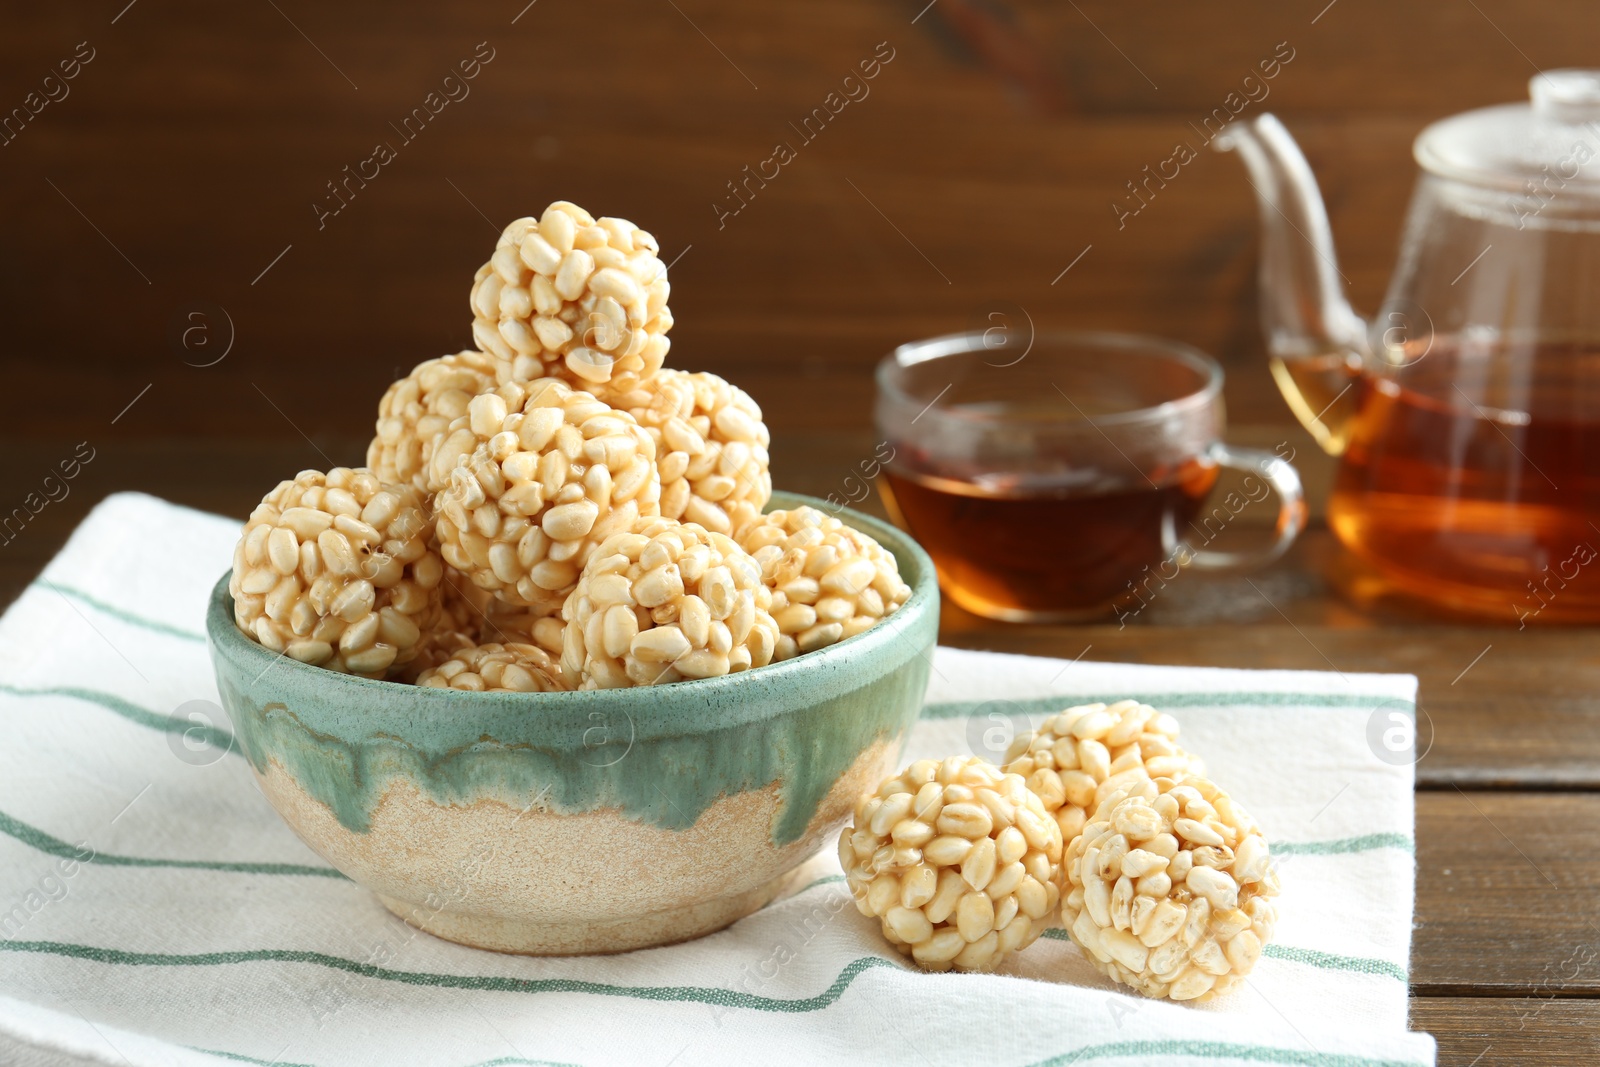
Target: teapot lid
1554 140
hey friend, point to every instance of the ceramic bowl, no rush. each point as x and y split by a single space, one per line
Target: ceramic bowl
555 823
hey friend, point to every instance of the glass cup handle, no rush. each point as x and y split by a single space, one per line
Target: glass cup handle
1281 477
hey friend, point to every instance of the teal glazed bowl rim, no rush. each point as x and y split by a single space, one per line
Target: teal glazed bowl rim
562 721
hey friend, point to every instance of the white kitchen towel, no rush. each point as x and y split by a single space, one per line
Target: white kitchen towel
155 911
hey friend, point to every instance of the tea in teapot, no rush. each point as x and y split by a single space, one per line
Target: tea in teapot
1466 415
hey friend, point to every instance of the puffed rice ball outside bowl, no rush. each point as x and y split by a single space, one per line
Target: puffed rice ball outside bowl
556 823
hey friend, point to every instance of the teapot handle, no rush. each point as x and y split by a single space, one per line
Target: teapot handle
1315 339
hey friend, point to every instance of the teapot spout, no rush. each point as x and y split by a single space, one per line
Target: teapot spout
1315 339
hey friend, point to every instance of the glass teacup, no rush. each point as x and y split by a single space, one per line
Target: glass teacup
1058 485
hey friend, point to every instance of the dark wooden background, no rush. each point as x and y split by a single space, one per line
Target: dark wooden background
179 176
191 150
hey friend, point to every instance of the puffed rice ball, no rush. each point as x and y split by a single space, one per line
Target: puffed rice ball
958 860
663 602
524 509
711 447
488 620
335 570
528 627
828 580
574 297
495 667
418 408
436 646
1083 754
1169 889
459 625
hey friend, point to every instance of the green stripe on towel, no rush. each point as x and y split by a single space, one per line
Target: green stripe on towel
1364 843
37 838
169 724
1326 961
501 1061
55 846
119 614
1220 1050
957 709
1210 1050
1330 962
693 994
727 998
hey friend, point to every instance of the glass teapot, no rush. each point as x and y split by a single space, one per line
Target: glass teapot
1466 415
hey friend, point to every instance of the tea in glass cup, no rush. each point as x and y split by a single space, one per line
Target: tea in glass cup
1047 488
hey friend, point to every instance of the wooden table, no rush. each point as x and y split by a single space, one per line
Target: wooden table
1504 968
190 172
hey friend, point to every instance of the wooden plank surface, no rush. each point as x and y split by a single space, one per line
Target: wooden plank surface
1506 894
1513 1032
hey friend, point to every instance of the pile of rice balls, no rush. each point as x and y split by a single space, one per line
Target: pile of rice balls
1160 877
556 509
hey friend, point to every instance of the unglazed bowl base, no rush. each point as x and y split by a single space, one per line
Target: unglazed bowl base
582 938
